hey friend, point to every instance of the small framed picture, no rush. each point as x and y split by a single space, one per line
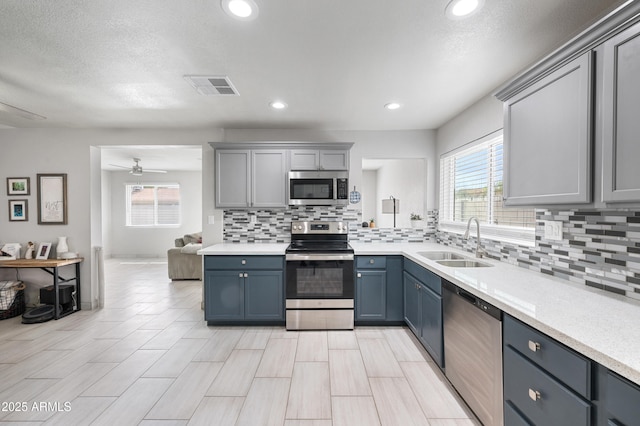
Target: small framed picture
18 211
43 251
18 186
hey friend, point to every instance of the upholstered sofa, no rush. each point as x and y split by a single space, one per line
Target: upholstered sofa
184 262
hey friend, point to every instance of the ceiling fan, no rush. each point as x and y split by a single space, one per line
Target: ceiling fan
136 169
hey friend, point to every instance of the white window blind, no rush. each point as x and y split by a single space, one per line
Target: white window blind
471 185
153 205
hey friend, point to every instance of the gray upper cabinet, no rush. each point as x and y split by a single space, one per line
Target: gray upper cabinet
233 178
548 138
323 159
620 116
250 178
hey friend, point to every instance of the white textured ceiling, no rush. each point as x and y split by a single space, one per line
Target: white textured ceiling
165 157
120 63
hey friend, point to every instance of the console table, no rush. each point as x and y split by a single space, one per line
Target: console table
51 266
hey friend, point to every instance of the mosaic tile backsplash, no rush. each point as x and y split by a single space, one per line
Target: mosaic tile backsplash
274 226
600 248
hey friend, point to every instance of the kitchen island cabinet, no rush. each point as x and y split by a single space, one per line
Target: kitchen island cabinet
244 289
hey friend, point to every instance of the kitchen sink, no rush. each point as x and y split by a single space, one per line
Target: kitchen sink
459 263
440 255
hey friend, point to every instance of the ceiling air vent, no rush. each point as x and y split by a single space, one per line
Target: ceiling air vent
212 85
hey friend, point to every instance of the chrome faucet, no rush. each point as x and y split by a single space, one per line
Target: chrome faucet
479 250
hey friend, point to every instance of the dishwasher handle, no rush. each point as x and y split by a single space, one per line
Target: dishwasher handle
467 296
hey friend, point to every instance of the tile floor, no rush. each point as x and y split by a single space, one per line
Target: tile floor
148 358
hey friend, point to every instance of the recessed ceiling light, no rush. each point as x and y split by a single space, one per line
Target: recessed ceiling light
244 10
278 105
392 105
460 9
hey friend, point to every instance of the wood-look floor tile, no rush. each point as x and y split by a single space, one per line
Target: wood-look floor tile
125 347
116 381
219 346
434 394
312 347
254 339
307 423
354 410
454 422
347 373
175 359
25 391
404 346
183 397
310 394
266 402
83 411
132 406
379 359
236 375
64 367
396 403
218 411
169 336
163 423
278 358
369 332
15 373
342 340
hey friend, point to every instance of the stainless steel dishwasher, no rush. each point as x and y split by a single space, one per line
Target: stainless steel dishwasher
473 352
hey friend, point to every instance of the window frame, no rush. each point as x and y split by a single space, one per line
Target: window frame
523 236
155 185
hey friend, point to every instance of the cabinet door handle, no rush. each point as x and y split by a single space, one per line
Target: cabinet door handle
240 275
359 275
534 394
244 261
246 275
534 346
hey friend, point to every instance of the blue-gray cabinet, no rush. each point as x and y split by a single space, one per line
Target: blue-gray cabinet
622 406
378 296
423 307
545 383
244 289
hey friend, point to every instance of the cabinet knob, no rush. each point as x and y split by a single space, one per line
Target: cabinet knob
244 262
534 346
246 275
372 261
240 275
359 275
534 394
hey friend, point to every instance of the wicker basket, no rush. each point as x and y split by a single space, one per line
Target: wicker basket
12 297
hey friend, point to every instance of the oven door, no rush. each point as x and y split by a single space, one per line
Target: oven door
319 276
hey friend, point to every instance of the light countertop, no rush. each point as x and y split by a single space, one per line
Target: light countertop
601 325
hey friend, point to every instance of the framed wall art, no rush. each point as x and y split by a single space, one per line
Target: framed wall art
18 186
43 250
52 199
18 211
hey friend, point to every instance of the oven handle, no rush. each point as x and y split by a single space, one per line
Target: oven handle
323 256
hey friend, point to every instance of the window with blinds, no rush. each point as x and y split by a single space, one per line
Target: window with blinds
153 205
471 185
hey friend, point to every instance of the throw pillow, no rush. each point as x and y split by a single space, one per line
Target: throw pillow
191 248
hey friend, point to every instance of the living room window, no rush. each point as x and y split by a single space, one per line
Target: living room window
471 185
153 205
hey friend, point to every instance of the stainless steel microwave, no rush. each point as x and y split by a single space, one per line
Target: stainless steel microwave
318 188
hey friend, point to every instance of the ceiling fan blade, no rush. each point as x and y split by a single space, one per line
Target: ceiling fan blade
153 171
122 167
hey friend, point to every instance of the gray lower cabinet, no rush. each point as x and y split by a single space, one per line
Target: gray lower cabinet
250 178
622 406
545 383
547 138
423 308
378 296
244 289
620 112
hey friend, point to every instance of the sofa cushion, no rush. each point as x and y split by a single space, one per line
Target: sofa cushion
179 242
191 248
195 238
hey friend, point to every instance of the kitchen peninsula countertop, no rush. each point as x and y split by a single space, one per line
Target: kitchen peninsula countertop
601 325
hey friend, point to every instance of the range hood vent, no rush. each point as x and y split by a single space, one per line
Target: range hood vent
212 85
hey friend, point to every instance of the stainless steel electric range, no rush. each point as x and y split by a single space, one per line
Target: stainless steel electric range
319 277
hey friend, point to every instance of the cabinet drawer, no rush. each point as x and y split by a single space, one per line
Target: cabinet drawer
566 365
512 417
539 397
426 277
243 262
371 262
623 401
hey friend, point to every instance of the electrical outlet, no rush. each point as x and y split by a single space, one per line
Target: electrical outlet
553 230
211 219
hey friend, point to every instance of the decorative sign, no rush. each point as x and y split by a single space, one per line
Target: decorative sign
52 199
